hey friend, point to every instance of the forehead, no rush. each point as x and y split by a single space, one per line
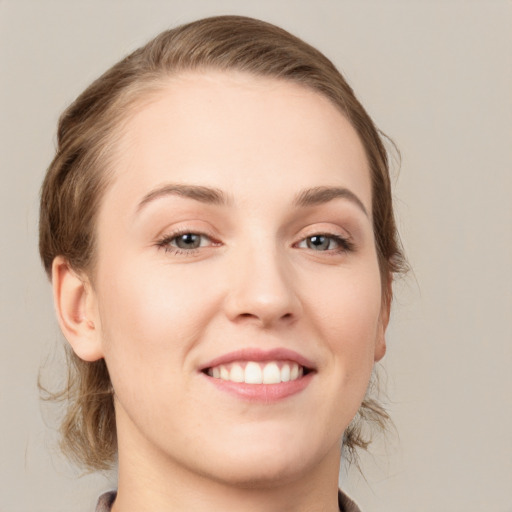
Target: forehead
238 132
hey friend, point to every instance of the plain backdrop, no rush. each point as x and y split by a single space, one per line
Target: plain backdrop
437 77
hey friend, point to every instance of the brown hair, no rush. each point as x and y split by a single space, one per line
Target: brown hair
79 175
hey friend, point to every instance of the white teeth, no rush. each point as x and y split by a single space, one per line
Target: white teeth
253 373
224 373
285 373
237 373
272 372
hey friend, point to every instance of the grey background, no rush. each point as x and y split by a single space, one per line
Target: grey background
437 77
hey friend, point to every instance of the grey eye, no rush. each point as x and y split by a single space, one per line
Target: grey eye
188 241
319 242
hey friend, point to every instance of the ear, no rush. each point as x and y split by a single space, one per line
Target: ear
76 308
380 343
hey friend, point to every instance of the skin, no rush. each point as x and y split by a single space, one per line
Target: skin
158 315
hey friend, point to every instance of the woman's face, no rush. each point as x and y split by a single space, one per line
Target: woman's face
235 243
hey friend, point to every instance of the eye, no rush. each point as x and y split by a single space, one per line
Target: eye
325 242
189 241
319 242
184 242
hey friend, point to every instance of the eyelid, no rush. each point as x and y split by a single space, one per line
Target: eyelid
334 230
184 226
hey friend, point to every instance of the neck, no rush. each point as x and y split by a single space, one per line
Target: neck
149 481
162 494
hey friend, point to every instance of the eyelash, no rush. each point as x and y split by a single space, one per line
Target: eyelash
344 244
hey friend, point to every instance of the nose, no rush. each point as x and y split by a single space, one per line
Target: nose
262 289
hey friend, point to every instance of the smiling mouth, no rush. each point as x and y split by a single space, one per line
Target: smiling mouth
253 372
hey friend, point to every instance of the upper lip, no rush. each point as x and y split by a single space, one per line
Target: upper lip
259 355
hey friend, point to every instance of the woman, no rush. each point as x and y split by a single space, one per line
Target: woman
217 224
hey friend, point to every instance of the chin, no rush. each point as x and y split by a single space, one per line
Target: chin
269 464
259 474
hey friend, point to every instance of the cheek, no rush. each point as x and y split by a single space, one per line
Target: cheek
344 313
146 311
347 307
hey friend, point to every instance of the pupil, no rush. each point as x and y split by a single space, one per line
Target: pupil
318 242
188 241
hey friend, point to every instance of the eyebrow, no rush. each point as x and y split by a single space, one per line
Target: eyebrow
199 193
320 195
210 195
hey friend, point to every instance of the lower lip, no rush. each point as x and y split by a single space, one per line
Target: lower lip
262 392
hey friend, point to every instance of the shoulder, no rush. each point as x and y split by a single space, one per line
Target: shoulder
105 501
346 504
